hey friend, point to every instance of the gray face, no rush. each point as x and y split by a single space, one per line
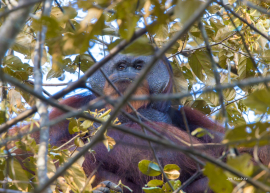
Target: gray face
122 66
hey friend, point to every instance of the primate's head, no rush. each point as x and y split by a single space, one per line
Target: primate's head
122 70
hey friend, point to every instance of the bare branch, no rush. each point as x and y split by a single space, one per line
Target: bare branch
31 3
41 105
216 74
12 26
243 83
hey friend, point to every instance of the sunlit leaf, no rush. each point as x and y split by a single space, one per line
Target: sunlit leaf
217 179
200 132
211 98
186 9
229 94
246 166
245 68
53 28
200 105
75 176
154 183
200 61
172 171
23 44
149 168
78 142
84 61
175 184
17 173
136 47
2 116
235 117
152 190
258 101
245 133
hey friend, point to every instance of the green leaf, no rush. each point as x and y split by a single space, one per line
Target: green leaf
234 116
78 142
2 116
266 55
51 169
86 124
30 99
78 42
172 171
69 66
217 179
262 41
188 74
152 190
15 68
154 183
175 184
84 61
23 44
53 28
229 94
31 164
258 101
246 166
54 74
245 68
223 33
200 132
200 61
17 173
186 9
72 124
127 27
149 168
2 168
75 177
224 57
136 47
211 98
214 8
242 134
180 82
68 11
200 105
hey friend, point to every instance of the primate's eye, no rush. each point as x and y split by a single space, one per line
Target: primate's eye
121 66
138 67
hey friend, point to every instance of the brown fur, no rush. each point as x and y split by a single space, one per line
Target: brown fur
122 86
122 162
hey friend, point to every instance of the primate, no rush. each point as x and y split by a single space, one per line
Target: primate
122 162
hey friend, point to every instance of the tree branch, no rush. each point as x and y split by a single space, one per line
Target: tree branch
41 105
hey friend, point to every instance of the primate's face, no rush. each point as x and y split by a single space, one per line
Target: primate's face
122 70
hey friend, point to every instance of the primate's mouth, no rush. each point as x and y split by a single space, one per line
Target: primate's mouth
122 80
125 78
122 83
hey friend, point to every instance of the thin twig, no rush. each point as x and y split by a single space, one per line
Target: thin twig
28 4
247 82
243 20
216 74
